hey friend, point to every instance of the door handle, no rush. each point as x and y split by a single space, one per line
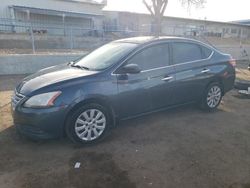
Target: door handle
167 78
205 70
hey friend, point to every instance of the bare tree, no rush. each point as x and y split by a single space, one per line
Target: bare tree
157 9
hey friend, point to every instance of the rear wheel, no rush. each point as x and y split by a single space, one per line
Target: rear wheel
212 97
88 125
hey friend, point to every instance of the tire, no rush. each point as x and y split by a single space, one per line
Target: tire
212 97
88 125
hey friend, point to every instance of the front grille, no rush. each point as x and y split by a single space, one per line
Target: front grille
16 98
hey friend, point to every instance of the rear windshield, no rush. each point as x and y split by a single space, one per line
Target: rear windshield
106 55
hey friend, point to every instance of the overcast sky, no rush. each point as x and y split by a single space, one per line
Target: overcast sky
218 10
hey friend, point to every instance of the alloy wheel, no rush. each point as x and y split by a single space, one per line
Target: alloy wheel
90 124
214 96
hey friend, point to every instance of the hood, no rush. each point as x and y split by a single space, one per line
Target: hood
51 75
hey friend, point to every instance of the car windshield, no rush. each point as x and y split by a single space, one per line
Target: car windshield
105 56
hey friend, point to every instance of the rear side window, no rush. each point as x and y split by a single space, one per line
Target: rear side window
185 52
152 57
206 52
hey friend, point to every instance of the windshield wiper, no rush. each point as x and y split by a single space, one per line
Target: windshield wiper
72 64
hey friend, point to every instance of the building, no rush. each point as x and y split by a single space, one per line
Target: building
51 16
143 24
86 18
245 22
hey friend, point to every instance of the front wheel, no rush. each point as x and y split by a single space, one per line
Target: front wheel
88 124
212 97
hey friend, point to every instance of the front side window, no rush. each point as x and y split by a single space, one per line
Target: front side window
152 57
186 52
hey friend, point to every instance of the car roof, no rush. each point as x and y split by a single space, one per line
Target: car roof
150 39
146 39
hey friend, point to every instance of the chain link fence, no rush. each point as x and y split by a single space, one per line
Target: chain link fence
38 36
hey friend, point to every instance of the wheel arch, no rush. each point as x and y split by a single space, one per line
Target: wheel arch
98 101
203 100
217 80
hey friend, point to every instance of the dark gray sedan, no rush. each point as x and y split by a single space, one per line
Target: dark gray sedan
120 80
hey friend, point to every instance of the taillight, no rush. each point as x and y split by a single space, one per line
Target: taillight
232 62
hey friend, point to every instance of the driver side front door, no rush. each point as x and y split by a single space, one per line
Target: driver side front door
152 88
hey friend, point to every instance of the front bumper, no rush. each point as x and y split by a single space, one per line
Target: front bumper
40 123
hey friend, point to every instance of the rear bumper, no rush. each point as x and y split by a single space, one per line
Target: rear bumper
228 83
40 123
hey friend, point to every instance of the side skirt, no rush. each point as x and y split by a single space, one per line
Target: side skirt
158 110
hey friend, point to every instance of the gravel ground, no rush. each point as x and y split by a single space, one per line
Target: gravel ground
242 72
182 147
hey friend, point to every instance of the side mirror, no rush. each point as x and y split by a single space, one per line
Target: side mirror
130 69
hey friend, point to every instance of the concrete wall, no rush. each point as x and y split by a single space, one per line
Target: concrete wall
19 41
26 64
235 51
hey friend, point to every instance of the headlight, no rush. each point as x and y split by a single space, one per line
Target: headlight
42 100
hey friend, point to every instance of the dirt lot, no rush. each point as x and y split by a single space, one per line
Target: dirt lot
182 147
